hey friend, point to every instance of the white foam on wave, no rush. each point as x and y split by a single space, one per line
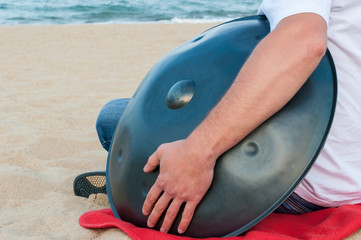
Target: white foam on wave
171 21
198 20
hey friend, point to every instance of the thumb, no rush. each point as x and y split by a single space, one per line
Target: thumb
153 162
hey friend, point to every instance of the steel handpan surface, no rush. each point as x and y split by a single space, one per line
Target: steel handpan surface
253 177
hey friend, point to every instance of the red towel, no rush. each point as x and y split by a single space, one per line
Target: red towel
331 223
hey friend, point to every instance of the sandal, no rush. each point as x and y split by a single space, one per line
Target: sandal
89 183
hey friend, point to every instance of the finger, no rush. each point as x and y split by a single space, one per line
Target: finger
153 162
186 216
171 214
151 198
160 206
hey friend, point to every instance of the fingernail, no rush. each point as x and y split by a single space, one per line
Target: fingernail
149 224
162 230
180 231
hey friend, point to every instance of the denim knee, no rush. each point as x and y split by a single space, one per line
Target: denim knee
108 119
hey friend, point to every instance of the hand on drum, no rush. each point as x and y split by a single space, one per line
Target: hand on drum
185 175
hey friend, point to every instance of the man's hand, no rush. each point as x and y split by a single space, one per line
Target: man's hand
184 177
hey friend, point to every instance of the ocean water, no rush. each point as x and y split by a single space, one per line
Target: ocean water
44 12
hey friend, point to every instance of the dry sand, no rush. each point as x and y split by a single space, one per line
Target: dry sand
54 81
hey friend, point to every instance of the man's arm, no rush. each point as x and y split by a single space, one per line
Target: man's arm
275 71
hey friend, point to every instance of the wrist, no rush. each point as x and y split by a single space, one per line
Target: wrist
202 146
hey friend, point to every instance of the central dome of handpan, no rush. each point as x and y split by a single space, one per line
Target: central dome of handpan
253 177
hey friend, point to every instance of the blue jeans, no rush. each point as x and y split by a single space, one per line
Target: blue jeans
108 119
107 122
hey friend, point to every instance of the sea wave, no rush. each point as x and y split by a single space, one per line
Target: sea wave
43 12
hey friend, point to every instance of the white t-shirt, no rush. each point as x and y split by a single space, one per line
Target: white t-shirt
335 178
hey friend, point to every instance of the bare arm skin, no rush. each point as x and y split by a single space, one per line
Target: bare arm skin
274 72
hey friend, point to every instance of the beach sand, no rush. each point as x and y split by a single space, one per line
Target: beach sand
54 81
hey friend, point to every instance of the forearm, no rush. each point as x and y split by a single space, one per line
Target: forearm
274 72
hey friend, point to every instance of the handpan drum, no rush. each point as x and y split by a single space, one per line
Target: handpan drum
253 177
